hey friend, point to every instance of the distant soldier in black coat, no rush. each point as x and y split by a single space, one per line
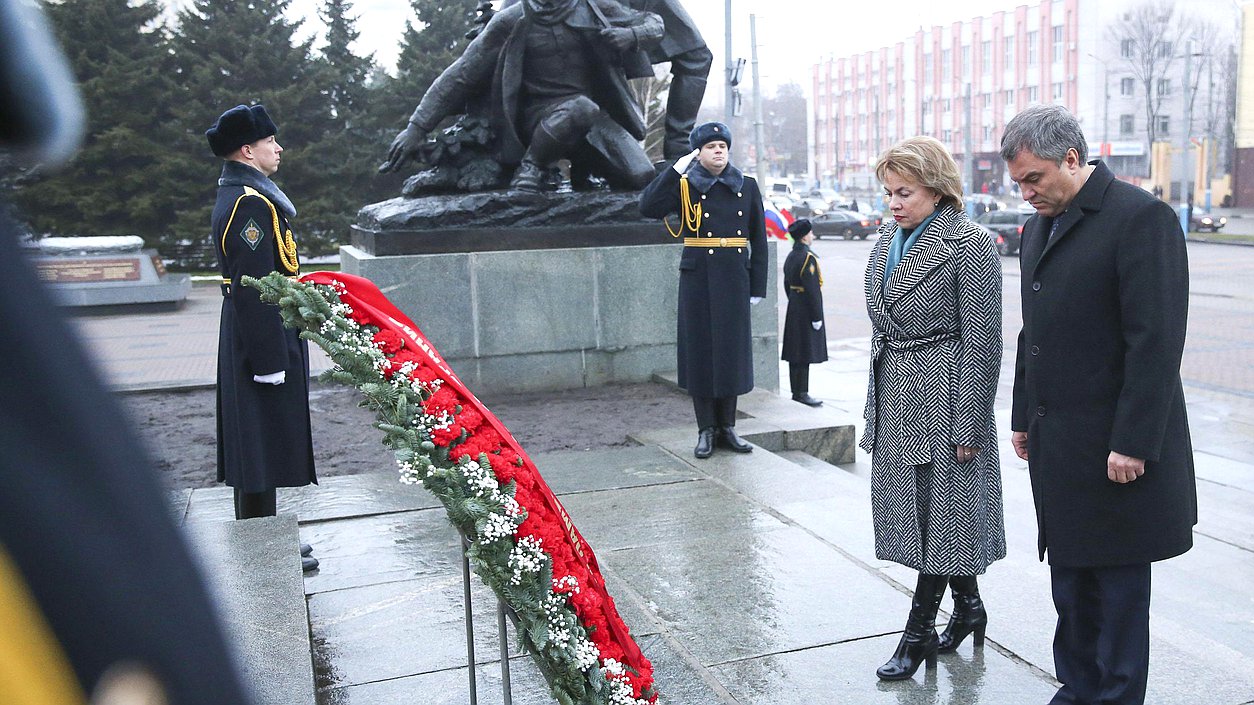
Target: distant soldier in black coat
264 438
805 342
1098 409
721 272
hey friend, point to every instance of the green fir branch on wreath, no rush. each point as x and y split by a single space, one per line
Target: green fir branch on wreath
484 511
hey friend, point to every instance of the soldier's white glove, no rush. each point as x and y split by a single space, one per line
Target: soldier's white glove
753 300
275 378
681 164
818 325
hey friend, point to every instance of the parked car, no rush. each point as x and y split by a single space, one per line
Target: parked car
843 223
830 196
1203 221
809 207
1006 227
982 203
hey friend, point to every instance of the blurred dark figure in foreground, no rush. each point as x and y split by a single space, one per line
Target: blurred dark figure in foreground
99 597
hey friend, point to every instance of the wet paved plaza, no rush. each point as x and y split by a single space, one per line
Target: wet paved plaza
752 579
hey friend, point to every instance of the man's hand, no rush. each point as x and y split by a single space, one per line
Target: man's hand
1124 468
754 300
275 378
681 164
816 325
621 38
1019 439
403 148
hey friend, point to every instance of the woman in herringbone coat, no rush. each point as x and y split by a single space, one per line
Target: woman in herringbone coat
933 292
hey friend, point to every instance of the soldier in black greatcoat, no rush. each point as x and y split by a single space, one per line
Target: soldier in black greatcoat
804 342
264 438
721 272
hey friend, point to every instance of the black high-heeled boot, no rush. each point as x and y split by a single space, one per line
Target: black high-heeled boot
918 642
969 615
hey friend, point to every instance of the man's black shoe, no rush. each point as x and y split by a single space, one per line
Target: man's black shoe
308 563
305 550
727 435
806 399
705 443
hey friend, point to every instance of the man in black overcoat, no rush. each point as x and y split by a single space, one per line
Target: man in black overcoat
804 342
722 271
264 438
1098 408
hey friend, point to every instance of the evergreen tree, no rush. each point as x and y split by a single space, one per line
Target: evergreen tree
117 50
228 53
346 157
427 48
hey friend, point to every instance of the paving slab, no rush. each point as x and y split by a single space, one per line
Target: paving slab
845 673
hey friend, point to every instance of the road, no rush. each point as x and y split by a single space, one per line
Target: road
1218 364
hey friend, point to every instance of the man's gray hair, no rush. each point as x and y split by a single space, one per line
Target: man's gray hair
1047 131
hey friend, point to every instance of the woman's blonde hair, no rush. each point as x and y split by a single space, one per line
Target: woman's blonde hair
925 160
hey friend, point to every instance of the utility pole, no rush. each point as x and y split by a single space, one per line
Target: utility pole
758 142
1186 178
967 146
729 97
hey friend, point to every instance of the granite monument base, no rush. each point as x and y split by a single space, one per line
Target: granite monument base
520 309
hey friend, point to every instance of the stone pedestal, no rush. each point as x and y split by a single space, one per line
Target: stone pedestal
107 271
517 309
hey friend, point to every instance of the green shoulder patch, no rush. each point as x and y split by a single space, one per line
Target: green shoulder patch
252 234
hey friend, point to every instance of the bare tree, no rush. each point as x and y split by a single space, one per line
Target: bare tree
1149 36
650 95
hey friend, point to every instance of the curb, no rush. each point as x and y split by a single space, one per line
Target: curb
1191 237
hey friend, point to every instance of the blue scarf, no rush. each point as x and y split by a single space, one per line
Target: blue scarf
901 244
237 174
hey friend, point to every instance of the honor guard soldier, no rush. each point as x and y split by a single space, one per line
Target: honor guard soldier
722 271
264 438
805 342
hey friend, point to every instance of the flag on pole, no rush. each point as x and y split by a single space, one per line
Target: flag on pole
777 220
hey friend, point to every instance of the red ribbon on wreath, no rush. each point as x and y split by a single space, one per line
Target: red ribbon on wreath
369 304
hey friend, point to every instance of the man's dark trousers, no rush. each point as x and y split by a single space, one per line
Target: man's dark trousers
1101 646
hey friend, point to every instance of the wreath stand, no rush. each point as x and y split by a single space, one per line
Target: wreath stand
502 635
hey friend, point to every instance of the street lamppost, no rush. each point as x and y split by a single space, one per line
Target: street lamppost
1106 90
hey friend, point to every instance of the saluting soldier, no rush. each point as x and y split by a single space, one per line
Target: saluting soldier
805 342
722 271
264 438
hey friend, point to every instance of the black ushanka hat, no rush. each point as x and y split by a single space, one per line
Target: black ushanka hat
239 126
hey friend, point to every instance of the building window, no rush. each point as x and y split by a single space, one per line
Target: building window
1009 97
1164 50
986 56
1058 91
988 100
1164 86
927 68
1033 43
1032 94
1164 125
1058 44
966 61
1125 125
927 107
947 64
1127 48
1127 86
1008 52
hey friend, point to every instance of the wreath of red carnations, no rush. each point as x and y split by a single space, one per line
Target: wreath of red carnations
522 542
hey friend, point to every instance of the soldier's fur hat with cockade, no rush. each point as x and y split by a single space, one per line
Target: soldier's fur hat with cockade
709 132
239 126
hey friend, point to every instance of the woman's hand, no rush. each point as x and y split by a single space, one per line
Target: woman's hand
966 454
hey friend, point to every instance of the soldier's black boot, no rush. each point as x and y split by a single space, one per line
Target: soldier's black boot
305 550
799 380
727 436
919 642
705 443
527 177
543 151
969 614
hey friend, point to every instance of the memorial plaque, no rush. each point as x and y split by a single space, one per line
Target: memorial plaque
67 270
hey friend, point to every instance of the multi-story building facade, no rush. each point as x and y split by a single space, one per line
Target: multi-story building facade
963 82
